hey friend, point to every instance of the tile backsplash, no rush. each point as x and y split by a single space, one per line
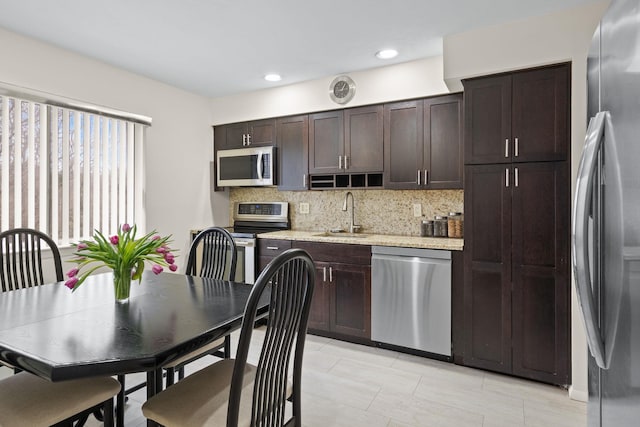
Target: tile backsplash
377 211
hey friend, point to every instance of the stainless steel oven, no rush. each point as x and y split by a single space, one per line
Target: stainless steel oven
250 219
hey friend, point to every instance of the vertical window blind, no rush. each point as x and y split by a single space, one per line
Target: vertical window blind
67 172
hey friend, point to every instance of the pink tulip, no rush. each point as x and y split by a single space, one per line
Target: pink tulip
157 269
71 283
169 258
73 272
81 246
173 267
161 250
126 227
156 237
114 240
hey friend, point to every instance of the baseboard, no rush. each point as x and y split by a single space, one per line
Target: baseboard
580 395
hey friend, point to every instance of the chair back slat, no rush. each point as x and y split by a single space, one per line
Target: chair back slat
21 262
290 279
214 251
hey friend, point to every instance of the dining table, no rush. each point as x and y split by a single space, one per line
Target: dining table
59 334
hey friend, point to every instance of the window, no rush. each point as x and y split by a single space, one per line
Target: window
65 171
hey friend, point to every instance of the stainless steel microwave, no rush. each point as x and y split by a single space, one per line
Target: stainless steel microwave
253 166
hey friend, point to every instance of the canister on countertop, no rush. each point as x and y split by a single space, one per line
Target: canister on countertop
455 225
440 226
426 228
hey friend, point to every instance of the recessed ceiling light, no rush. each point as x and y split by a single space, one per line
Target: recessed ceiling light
273 77
387 53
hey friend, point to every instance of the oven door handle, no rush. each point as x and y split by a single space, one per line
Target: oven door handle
245 243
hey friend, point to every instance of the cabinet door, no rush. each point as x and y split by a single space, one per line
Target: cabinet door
487 267
293 152
261 132
350 306
443 142
326 142
403 145
540 119
319 313
487 120
541 271
236 135
363 139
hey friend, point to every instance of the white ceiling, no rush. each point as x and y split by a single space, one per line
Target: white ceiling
220 47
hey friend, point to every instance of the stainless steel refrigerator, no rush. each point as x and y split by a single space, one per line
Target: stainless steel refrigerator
606 220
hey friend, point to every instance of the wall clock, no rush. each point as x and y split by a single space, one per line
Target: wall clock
342 89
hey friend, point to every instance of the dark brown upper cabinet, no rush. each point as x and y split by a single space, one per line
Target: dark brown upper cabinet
293 152
245 134
423 143
518 117
363 139
326 142
346 141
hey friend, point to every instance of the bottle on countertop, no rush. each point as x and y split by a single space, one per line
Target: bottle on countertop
440 226
455 225
426 228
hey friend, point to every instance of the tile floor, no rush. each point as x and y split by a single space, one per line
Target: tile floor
351 385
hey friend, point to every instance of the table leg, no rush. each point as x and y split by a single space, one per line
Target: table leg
120 399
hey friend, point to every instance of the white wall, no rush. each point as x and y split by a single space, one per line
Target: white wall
179 142
559 37
401 81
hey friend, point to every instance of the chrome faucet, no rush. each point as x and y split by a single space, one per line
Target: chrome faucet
353 228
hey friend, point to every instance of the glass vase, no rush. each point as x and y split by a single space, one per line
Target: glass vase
122 284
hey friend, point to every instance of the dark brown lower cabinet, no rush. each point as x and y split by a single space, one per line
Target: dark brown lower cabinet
516 275
341 302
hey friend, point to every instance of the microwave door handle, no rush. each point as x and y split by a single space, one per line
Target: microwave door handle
259 166
580 236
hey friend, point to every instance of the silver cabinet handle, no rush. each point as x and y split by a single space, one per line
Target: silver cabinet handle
304 180
506 177
346 162
515 177
339 162
324 274
418 176
426 177
259 166
580 236
515 148
331 274
248 139
506 147
244 139
272 248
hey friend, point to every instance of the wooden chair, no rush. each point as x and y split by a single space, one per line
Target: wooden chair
21 261
235 393
21 258
211 254
28 400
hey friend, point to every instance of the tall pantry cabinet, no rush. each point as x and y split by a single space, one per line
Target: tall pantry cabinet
517 189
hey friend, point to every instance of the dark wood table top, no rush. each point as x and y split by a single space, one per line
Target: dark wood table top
60 335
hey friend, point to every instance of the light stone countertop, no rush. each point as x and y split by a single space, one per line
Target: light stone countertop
368 239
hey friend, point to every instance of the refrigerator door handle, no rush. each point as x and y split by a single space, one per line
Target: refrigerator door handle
580 236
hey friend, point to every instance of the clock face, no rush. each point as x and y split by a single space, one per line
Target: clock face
342 89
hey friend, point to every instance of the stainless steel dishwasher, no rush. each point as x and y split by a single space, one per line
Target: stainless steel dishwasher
411 298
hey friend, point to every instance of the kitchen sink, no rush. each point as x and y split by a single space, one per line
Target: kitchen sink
340 234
